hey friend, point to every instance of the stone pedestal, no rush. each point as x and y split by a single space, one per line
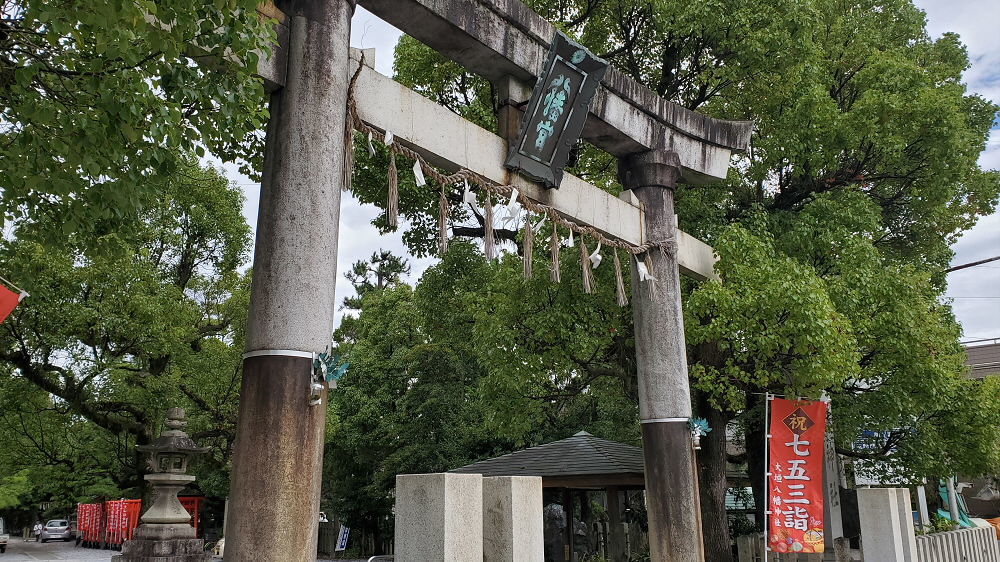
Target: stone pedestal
163 550
439 517
163 543
887 525
166 508
512 519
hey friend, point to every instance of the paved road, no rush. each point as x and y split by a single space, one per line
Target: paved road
19 550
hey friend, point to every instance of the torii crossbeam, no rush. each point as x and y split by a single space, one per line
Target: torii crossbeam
278 453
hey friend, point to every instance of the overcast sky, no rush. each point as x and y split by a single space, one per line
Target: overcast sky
976 290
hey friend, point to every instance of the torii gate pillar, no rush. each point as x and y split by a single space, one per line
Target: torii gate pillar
278 457
664 396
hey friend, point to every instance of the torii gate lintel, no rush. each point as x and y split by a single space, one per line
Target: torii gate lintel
449 141
504 38
498 38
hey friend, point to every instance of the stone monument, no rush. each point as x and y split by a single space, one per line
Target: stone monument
166 534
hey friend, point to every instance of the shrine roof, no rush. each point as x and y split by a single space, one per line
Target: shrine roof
578 461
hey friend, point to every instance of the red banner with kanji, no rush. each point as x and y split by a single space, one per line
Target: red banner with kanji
8 302
795 475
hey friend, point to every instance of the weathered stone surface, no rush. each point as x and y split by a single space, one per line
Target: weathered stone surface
672 500
497 38
504 38
277 461
512 519
446 139
273 66
164 550
887 526
439 517
167 509
291 303
164 531
659 321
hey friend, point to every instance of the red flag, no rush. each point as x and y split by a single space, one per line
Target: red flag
795 476
8 302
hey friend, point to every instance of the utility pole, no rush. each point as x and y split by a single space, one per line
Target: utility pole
277 462
672 501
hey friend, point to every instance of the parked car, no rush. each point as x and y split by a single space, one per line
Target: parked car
4 537
57 529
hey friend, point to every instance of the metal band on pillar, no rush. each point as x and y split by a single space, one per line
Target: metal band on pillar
279 353
667 420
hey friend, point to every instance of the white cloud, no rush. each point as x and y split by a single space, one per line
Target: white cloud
975 21
990 158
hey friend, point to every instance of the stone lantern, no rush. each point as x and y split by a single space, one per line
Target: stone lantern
166 532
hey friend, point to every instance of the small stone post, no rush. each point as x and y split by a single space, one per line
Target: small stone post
887 525
512 519
925 517
166 532
439 517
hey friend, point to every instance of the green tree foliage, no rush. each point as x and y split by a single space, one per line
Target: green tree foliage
97 98
809 304
375 274
111 337
12 488
469 364
872 104
399 409
54 456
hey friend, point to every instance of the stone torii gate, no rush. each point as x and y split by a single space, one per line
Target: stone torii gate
277 463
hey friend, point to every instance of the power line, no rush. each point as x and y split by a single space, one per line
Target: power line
973 264
979 341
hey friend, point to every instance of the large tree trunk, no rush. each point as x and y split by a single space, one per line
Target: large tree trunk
714 484
378 541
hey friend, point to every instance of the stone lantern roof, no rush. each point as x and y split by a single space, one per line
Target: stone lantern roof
173 439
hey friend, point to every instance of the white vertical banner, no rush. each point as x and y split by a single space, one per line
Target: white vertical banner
345 533
833 481
767 469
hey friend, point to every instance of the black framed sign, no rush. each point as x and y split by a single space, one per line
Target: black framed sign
557 111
